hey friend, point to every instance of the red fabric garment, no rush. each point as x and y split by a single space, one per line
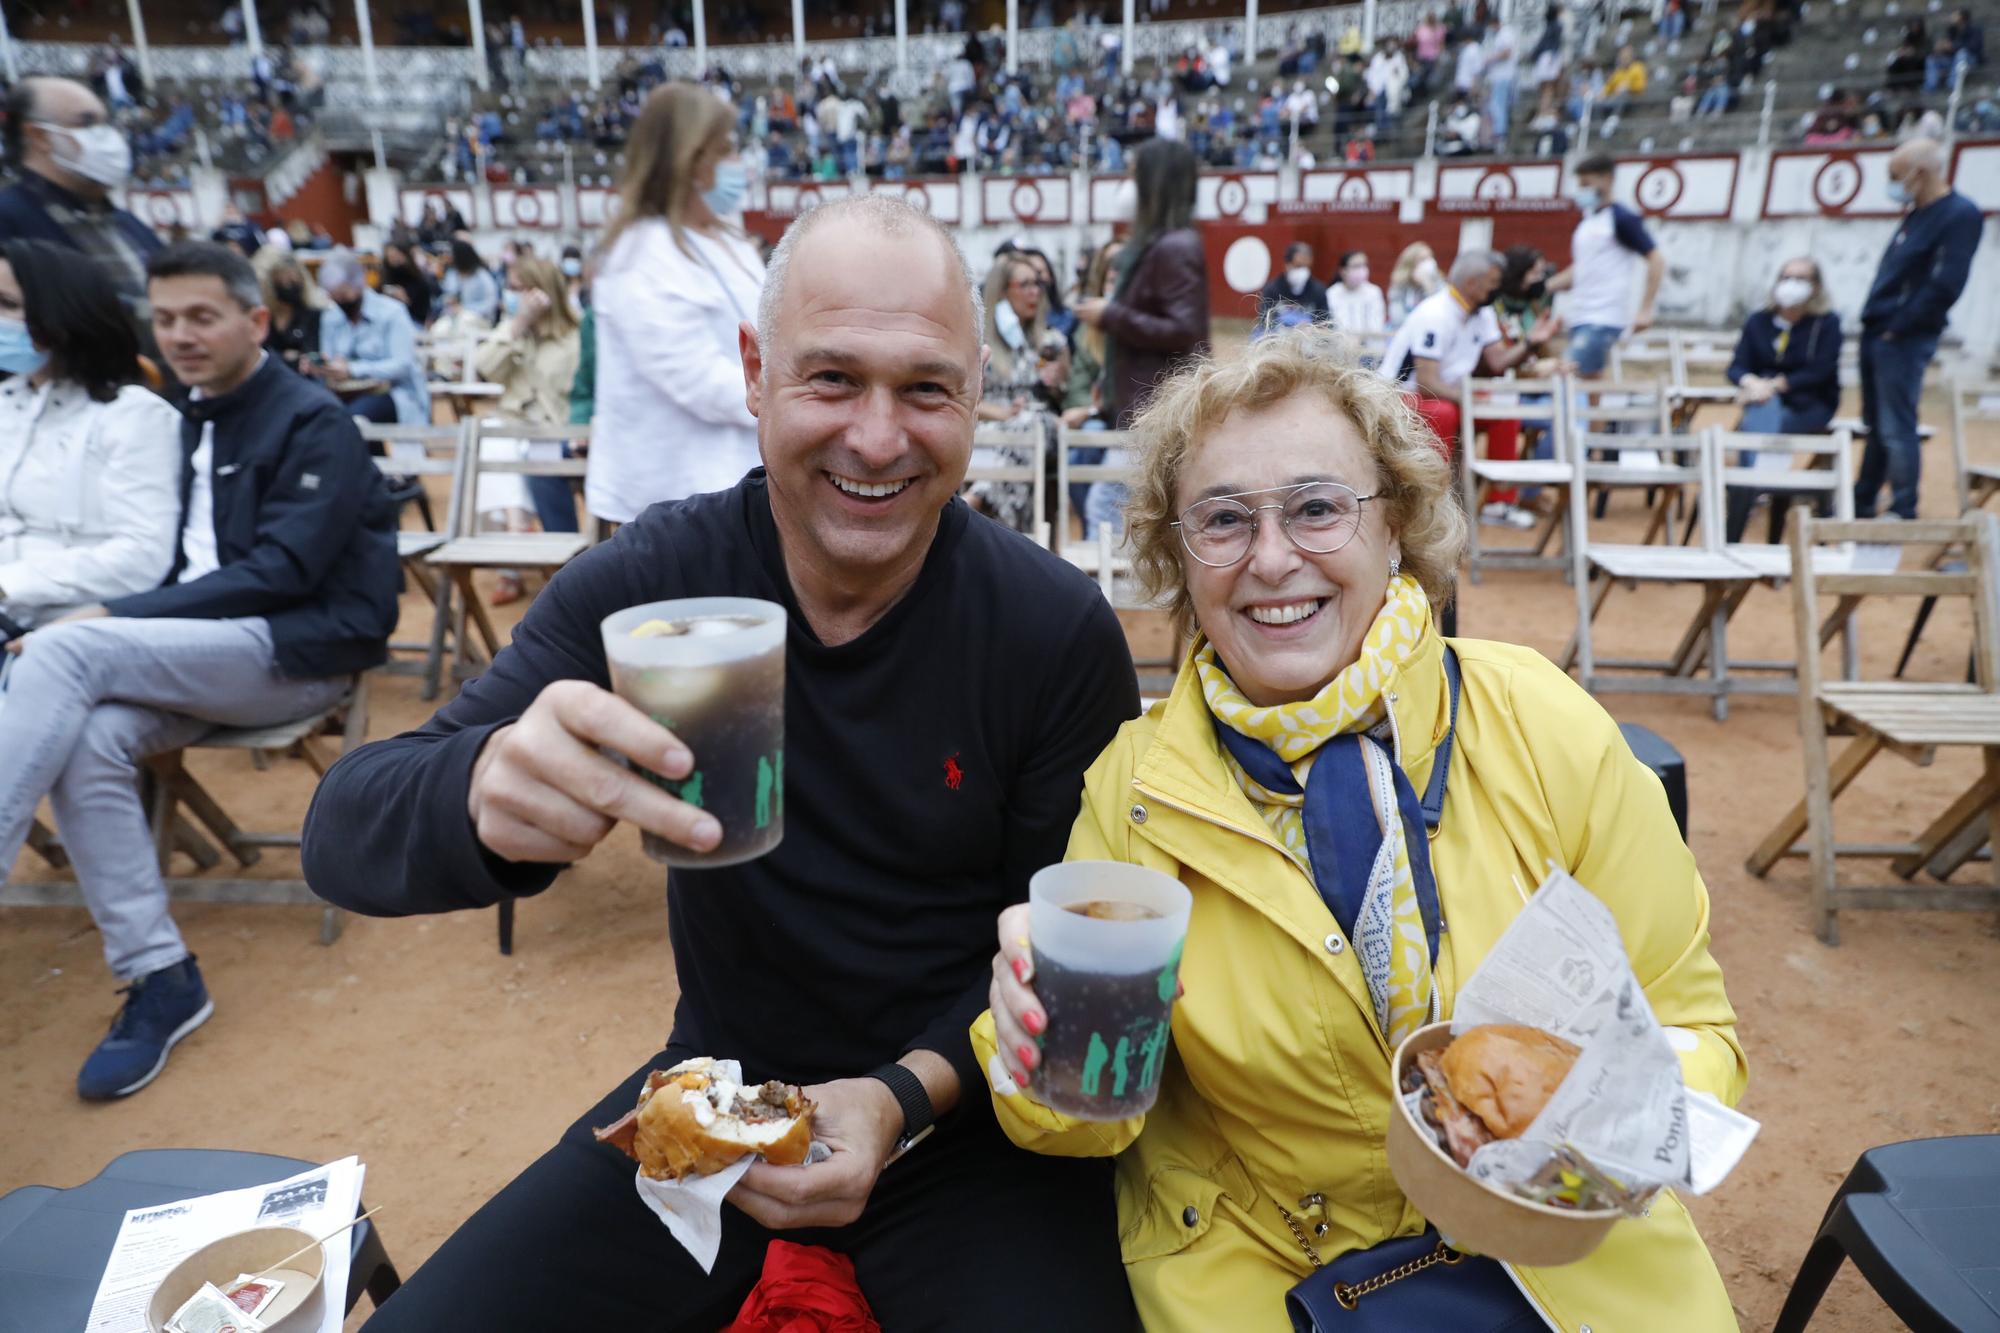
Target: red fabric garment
1503 445
1442 414
805 1289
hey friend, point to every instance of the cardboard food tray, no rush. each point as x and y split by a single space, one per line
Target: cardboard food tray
298 1307
1471 1215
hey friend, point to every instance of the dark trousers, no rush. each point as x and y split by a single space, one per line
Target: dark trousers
1892 380
950 1235
379 408
555 501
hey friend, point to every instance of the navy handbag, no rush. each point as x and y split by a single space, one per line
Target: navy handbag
1412 1282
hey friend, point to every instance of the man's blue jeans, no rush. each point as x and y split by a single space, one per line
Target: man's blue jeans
1892 380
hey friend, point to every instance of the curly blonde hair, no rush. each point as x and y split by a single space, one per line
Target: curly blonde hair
1414 479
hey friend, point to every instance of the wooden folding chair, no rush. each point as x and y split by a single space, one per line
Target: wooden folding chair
1650 353
1484 402
1106 556
1978 480
174 794
1908 718
1706 565
1795 470
1015 456
1616 410
1698 351
425 451
470 550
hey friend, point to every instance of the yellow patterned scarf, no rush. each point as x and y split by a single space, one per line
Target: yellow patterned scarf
1389 932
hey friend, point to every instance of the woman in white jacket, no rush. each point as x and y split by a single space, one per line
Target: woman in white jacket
678 280
90 462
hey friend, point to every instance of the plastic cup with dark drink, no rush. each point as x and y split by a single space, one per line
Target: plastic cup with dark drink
712 671
1107 940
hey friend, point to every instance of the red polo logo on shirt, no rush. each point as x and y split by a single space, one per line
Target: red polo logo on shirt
953 774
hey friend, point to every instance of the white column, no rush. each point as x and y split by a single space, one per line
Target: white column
1368 25
799 29
366 28
253 31
140 51
1249 33
1124 50
1013 35
590 40
477 17
13 70
902 37
700 35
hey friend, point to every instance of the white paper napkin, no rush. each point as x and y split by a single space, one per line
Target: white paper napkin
692 1208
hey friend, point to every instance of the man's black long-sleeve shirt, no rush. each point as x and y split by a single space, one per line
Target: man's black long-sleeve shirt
932 765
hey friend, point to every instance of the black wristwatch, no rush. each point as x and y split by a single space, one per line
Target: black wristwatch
918 1117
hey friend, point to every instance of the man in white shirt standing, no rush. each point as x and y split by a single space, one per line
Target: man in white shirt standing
1451 334
1608 248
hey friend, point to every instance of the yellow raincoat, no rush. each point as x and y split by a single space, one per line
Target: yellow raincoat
1278 1084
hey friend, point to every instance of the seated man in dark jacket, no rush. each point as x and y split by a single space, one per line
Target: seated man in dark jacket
283 588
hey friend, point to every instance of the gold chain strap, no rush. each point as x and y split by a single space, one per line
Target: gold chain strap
1299 1232
1349 1294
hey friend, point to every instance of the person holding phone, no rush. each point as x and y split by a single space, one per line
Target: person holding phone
89 459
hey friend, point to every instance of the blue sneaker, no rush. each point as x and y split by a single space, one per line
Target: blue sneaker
160 1008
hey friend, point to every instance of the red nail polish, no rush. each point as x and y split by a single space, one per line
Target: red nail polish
1023 1079
1034 1022
1020 971
1027 1054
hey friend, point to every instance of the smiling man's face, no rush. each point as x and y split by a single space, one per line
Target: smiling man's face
865 397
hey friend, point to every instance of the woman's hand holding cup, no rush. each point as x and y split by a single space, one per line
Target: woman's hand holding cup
1018 1018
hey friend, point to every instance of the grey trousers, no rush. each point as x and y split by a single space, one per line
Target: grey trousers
83 704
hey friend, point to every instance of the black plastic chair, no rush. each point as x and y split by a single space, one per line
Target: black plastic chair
1667 765
1921 1220
54 1243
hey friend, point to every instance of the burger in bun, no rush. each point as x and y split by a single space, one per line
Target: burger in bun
1490 1083
698 1117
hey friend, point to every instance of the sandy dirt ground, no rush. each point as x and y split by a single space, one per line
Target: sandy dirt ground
447 1067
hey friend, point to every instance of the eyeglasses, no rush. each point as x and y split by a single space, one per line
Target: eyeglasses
1320 517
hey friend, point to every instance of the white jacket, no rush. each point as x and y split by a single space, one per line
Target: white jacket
670 417
90 496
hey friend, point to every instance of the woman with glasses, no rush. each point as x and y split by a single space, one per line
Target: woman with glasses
1296 516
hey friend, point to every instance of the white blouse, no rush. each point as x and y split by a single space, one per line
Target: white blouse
670 418
90 496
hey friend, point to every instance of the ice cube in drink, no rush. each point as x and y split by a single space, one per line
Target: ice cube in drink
712 671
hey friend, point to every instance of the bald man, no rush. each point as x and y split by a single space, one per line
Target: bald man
946 684
1920 278
71 158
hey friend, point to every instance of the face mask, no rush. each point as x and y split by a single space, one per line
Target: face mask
1298 277
288 292
1356 278
572 268
1792 291
352 311
96 153
1536 290
1899 192
510 301
1587 198
732 185
1007 322
18 353
1425 274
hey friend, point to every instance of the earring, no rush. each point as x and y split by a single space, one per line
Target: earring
1395 565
